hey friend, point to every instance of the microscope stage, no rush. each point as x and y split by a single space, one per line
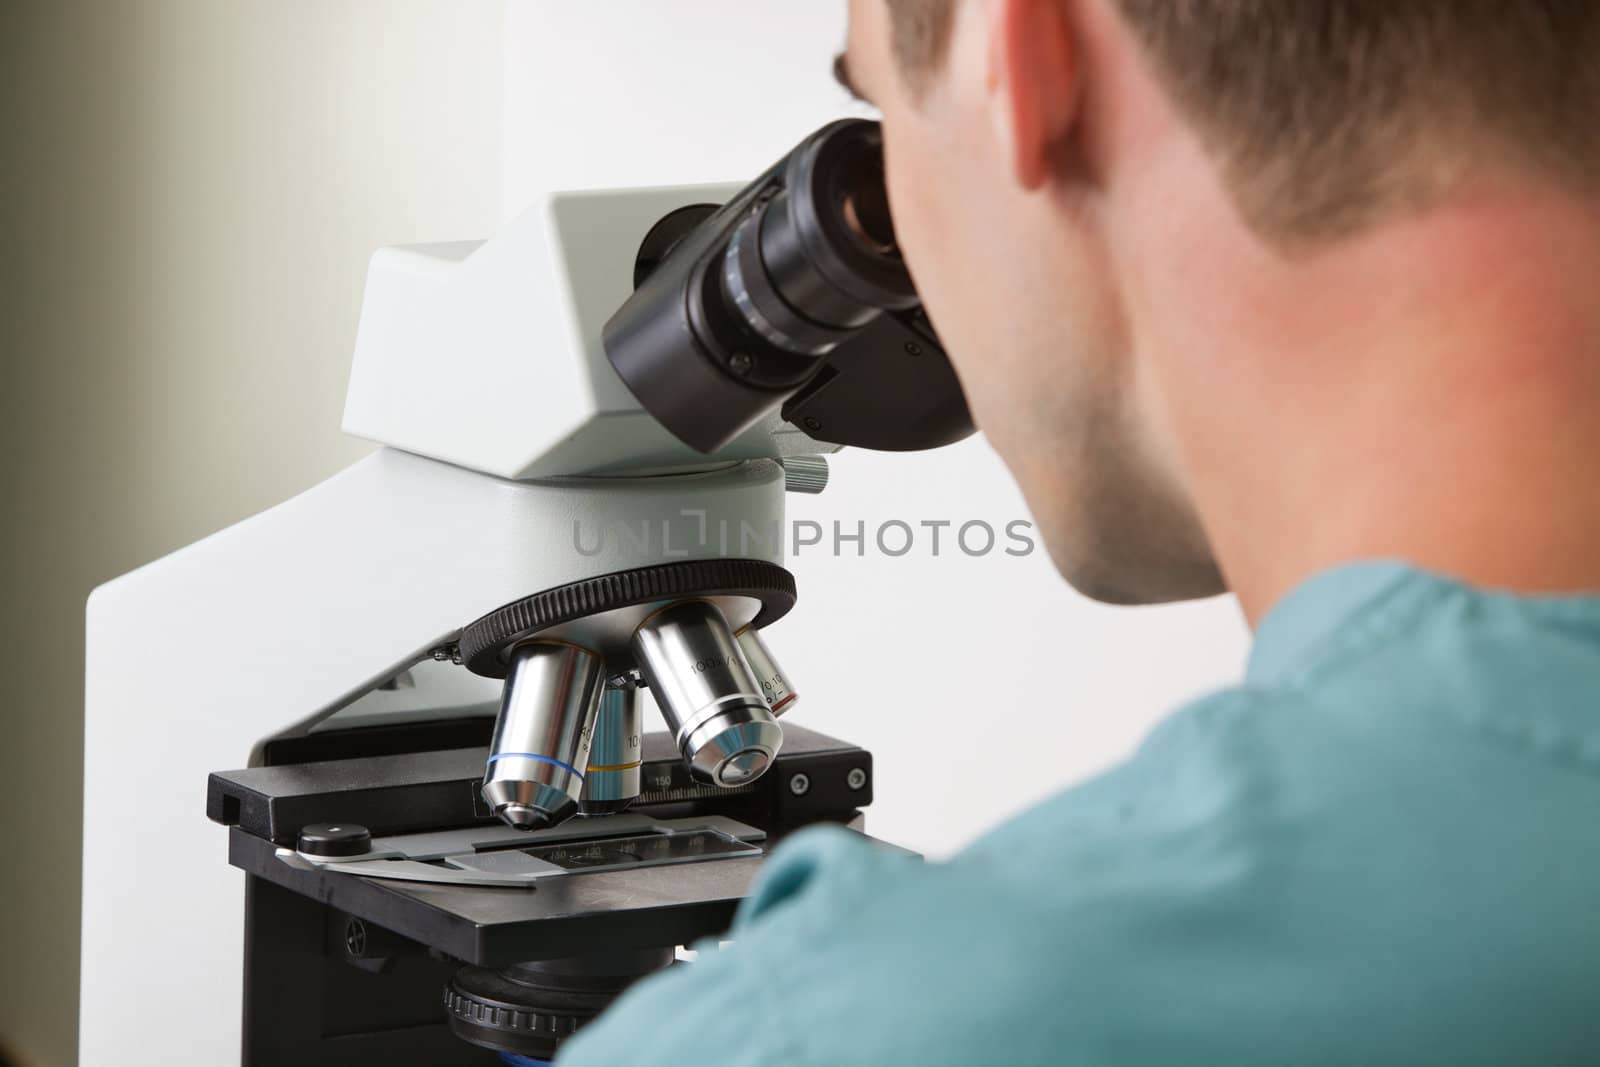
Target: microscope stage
669 872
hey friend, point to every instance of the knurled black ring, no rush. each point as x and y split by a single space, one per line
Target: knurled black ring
481 1007
484 643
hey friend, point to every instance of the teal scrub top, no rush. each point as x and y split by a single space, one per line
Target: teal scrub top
1382 848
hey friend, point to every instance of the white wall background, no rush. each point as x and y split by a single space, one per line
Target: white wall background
189 191
980 684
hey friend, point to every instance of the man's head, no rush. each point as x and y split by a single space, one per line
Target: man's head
1090 193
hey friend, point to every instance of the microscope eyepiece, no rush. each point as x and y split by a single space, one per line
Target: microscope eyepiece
707 693
793 294
864 205
816 260
540 751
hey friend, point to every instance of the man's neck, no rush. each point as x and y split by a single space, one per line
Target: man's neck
1430 392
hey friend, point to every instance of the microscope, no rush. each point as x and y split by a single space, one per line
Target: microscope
459 838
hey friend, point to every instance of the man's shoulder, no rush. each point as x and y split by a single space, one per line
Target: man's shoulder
1269 879
1221 758
1380 849
1357 808
1325 872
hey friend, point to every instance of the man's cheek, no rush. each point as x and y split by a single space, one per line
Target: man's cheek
913 193
928 242
921 240
983 387
920 245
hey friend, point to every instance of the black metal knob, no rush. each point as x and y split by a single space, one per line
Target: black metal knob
335 839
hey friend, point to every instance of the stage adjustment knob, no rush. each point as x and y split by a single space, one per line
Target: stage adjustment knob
335 839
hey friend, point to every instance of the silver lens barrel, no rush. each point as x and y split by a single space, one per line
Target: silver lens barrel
775 688
707 693
540 750
613 777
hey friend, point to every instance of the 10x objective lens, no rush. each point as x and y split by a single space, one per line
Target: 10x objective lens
615 757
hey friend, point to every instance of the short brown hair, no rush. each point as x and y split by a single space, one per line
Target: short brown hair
1328 113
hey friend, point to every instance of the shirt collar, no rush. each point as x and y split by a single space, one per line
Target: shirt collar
1314 613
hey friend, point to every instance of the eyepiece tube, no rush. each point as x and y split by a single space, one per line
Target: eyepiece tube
540 750
775 688
612 781
707 693
793 297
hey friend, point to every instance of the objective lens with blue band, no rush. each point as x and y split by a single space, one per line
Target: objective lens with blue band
531 779
534 756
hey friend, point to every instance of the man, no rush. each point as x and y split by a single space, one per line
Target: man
1299 299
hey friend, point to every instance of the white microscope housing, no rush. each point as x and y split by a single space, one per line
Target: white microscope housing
514 462
534 540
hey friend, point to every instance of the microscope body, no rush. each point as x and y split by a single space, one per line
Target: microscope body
459 840
323 629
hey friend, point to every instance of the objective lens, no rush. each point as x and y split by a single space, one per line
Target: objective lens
707 693
775 687
543 734
612 781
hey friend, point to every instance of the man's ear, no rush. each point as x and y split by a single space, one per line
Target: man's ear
1032 81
